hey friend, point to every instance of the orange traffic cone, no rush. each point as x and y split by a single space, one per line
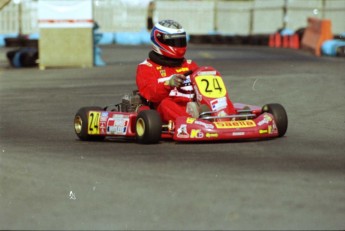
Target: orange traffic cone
271 41
294 42
277 40
286 39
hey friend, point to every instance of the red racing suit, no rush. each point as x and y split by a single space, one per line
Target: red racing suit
151 81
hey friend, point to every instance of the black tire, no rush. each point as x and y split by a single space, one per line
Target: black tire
81 124
148 127
279 115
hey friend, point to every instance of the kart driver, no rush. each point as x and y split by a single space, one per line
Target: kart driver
160 77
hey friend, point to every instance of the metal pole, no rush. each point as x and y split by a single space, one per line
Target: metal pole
4 3
285 13
251 20
20 19
215 16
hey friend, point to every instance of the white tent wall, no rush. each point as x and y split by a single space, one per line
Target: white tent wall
335 11
298 11
9 20
197 16
234 17
127 17
268 16
29 17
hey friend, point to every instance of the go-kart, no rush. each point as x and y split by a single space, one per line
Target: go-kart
135 117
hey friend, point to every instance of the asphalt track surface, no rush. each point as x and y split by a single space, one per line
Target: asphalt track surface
51 180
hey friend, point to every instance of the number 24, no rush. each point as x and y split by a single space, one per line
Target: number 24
215 86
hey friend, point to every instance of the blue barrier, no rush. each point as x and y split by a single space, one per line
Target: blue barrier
34 36
127 38
3 36
97 59
329 47
97 37
286 31
133 38
2 40
145 37
106 38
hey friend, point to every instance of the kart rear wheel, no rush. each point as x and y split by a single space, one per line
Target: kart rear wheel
81 124
280 116
148 127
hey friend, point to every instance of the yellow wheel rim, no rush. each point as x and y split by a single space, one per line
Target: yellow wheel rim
140 127
78 124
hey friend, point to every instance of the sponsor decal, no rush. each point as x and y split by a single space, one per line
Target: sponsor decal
206 125
238 133
263 131
196 133
163 73
190 120
219 104
182 131
235 124
103 127
265 120
207 73
211 135
104 117
270 130
182 69
117 125
120 116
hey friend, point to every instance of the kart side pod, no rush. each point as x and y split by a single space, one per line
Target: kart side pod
94 124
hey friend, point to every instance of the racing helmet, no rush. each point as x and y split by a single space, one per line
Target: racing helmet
169 39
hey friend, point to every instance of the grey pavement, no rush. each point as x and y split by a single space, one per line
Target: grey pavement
51 180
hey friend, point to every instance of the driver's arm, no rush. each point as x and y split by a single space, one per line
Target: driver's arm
148 85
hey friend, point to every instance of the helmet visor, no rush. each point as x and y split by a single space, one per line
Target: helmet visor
174 40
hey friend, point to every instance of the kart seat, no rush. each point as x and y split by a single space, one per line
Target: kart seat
144 100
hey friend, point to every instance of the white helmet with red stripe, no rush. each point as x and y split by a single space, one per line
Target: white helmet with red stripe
169 39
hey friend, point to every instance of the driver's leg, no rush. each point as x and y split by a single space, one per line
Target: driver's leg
170 110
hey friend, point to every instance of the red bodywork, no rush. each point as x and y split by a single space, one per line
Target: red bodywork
190 129
122 124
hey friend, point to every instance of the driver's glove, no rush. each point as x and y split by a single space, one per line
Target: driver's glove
175 80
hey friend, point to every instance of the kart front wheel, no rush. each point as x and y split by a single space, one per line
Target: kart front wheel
280 116
81 123
148 127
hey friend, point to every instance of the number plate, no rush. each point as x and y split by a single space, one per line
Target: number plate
211 86
93 128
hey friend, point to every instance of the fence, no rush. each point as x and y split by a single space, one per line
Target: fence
197 16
